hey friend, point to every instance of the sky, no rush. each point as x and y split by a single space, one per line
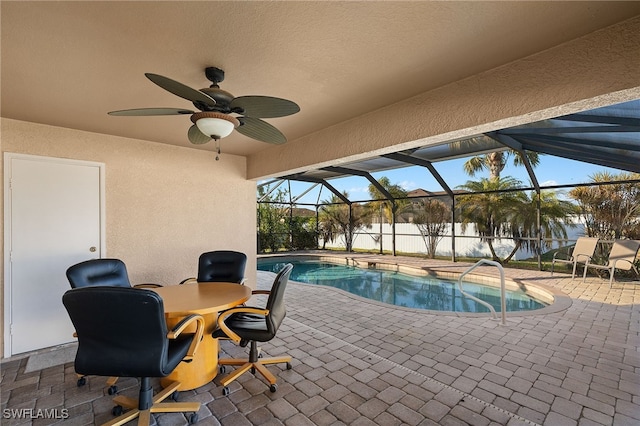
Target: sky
551 171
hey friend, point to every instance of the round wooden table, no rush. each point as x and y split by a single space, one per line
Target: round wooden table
206 299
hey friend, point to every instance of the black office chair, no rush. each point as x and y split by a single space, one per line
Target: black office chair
101 272
123 332
220 266
248 324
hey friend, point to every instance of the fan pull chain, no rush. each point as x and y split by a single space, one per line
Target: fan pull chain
218 149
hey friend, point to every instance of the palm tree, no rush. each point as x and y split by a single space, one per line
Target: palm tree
342 220
396 191
553 213
491 211
499 211
610 211
496 161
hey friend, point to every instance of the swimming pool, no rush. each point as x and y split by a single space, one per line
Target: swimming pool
395 288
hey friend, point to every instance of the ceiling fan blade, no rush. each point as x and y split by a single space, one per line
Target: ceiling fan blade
196 137
181 90
151 111
260 130
264 106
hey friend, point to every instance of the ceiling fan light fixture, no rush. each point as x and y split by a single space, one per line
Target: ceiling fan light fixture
215 124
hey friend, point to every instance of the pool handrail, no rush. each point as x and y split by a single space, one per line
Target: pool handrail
503 303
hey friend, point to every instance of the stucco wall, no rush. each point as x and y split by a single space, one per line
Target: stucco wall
164 204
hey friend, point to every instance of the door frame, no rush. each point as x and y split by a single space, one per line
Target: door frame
8 157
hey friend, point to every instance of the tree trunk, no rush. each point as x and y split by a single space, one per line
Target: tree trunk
493 252
513 252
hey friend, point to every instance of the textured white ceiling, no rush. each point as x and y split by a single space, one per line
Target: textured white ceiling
69 63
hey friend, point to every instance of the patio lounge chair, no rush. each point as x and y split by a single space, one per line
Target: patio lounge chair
622 256
582 253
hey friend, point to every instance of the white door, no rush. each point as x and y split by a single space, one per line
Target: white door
52 220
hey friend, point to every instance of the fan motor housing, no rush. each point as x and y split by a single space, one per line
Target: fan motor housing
222 97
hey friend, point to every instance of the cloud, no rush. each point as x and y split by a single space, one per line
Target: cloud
358 190
408 185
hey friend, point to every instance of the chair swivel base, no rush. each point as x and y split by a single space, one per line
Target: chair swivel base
253 363
156 406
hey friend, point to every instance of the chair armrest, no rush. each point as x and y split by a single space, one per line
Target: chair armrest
243 309
566 252
184 323
615 263
147 285
188 280
580 256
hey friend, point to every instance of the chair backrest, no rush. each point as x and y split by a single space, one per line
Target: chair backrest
121 331
275 303
98 272
624 250
585 246
222 266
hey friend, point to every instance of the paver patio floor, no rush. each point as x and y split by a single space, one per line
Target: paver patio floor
358 362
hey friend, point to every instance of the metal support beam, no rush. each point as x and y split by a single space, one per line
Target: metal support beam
380 188
515 145
269 182
365 175
350 230
539 225
587 118
453 229
578 143
302 178
572 152
404 158
581 129
280 181
305 192
420 162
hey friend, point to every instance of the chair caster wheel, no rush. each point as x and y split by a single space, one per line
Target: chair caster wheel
273 388
112 390
174 396
225 391
253 370
117 410
193 419
289 366
82 381
222 369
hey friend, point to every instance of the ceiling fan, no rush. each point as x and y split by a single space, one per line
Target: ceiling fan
216 106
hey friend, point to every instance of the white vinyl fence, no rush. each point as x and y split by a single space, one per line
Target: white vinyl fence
468 244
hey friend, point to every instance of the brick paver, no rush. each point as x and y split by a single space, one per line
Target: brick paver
360 362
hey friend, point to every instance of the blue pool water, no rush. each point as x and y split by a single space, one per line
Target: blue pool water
401 289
